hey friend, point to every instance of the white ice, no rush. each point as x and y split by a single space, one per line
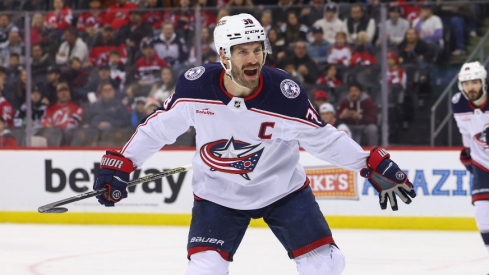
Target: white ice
141 250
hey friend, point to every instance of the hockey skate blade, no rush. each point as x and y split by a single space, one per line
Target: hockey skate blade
54 210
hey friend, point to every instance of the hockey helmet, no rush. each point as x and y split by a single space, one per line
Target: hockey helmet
471 71
238 29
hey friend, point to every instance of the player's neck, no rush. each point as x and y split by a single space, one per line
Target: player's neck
236 90
479 102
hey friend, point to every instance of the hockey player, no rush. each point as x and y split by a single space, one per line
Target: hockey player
249 121
470 110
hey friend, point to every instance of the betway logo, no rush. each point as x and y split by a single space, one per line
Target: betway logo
205 111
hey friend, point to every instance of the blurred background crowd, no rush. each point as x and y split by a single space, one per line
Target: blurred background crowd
98 67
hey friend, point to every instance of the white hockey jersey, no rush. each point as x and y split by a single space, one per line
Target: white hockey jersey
247 149
471 121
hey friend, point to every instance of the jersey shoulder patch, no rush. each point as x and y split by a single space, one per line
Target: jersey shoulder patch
289 88
194 73
456 98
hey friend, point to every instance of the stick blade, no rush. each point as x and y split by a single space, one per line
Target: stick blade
53 210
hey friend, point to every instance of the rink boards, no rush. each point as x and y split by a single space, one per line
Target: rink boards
31 178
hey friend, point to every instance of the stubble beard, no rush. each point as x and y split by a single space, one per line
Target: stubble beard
238 76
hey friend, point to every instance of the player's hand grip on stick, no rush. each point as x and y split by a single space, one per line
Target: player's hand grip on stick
386 177
113 176
54 207
466 159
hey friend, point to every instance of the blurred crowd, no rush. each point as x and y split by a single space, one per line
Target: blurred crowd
98 67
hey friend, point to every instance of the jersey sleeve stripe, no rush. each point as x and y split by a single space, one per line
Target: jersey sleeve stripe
285 117
196 101
141 125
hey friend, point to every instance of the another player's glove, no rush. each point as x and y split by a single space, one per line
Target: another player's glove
386 177
114 176
466 159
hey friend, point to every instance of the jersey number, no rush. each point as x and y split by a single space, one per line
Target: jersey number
263 129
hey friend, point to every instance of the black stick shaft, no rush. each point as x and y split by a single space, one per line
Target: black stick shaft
47 207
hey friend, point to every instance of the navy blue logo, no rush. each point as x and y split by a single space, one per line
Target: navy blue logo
231 156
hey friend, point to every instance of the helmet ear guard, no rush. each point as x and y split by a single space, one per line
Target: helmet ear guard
471 71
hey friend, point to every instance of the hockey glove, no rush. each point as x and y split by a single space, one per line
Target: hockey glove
466 159
114 176
386 177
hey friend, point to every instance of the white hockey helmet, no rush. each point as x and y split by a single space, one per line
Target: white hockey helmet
471 71
238 29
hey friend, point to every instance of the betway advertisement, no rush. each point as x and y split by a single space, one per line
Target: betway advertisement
31 178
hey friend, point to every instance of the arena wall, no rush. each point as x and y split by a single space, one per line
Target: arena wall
30 178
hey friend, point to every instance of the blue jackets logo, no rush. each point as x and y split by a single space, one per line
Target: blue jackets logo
231 156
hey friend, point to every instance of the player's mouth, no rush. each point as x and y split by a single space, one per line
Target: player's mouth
251 73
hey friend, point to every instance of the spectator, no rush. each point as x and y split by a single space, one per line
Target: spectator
328 115
138 111
118 14
429 26
64 114
49 45
363 54
266 20
206 46
293 30
132 34
303 63
207 16
6 111
457 16
312 12
169 46
37 26
318 49
91 91
6 138
414 50
329 78
151 105
395 74
320 97
281 11
396 27
278 47
358 22
108 112
240 6
117 71
13 69
33 5
340 53
359 112
76 74
49 90
410 11
72 47
289 67
330 24
148 67
90 22
37 109
39 64
183 20
16 91
6 27
153 15
103 44
13 44
165 87
60 19
222 13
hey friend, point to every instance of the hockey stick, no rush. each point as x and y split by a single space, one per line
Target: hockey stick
54 207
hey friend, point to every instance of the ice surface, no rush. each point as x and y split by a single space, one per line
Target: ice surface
142 250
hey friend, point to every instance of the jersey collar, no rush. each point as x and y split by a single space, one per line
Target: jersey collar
250 101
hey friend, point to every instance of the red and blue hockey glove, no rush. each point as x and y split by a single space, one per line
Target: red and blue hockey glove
386 177
466 159
114 176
